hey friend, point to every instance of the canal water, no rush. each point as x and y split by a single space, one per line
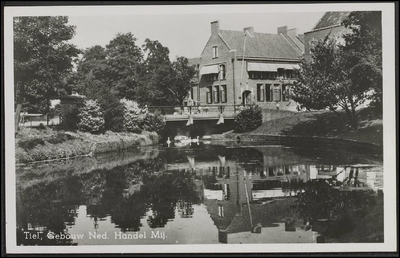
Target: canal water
201 194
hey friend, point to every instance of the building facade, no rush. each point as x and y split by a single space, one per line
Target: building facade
246 67
329 24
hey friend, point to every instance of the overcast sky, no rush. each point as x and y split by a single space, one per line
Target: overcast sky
184 34
184 29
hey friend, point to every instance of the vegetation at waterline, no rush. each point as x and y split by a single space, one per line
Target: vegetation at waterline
34 144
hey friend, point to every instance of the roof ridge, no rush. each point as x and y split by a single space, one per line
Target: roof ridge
254 32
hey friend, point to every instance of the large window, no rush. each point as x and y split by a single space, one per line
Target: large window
208 95
222 72
260 92
277 92
268 91
289 74
216 94
211 77
223 94
263 75
285 91
191 93
221 211
281 72
215 52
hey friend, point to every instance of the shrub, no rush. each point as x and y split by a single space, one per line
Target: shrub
59 138
71 119
133 116
31 143
113 111
41 126
154 122
248 119
91 117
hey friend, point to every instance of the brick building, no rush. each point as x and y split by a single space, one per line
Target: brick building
329 24
246 67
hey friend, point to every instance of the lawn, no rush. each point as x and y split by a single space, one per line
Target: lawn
327 124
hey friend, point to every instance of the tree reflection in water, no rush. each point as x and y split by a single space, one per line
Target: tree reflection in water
124 193
47 207
165 191
155 190
334 211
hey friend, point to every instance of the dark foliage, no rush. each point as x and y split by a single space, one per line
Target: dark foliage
248 119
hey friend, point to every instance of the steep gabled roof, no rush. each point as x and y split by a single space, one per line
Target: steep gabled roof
296 42
331 19
301 38
261 45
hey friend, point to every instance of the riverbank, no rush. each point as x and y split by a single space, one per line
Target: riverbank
33 144
319 124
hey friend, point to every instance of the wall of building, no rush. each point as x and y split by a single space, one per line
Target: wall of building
236 79
320 34
224 58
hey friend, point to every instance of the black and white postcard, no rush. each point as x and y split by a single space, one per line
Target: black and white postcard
203 128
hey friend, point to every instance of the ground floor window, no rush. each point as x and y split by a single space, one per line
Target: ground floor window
223 94
208 95
216 94
277 92
284 92
260 92
268 92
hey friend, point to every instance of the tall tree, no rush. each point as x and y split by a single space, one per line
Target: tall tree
364 46
123 61
323 83
183 73
344 75
110 74
163 82
92 72
156 75
43 60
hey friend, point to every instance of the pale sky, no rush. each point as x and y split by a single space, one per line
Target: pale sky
184 29
183 34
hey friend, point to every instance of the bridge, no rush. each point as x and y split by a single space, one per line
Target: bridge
193 113
197 120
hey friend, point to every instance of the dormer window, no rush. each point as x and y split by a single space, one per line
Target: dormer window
215 52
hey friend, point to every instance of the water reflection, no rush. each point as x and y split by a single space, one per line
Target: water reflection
197 195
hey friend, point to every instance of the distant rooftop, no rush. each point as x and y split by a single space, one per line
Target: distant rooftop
261 45
330 19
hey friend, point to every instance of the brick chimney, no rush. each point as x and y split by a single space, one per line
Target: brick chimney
214 28
249 31
292 32
282 30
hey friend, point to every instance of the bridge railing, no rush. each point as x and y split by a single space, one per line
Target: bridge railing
202 109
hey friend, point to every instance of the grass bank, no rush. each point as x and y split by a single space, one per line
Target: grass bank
326 124
33 144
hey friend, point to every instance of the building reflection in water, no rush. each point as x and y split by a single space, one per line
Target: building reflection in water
248 194
252 197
